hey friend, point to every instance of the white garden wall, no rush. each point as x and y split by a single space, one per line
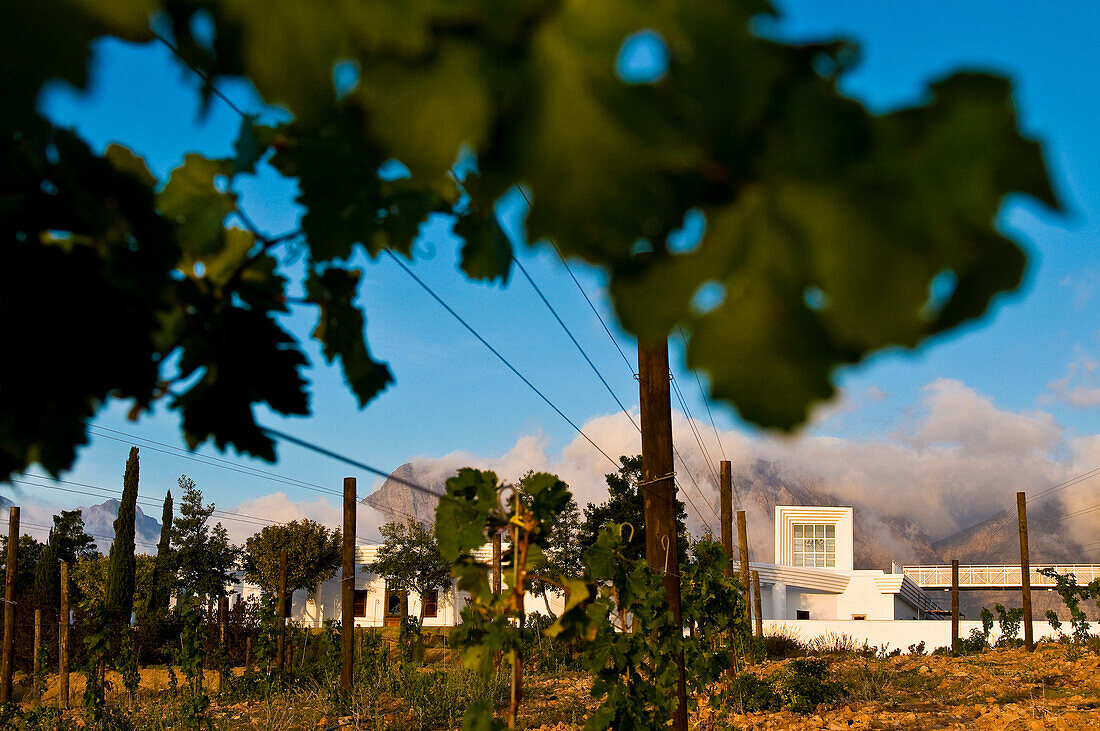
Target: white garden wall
896 633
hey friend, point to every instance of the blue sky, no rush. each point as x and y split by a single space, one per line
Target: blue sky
452 395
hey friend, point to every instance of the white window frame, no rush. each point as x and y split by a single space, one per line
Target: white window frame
813 545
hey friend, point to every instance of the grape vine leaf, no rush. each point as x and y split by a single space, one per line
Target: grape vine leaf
463 512
826 225
89 222
340 330
192 199
244 357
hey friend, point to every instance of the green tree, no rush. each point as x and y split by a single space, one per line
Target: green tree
204 557
121 563
161 583
72 540
801 187
47 575
563 548
90 576
625 504
409 560
27 560
313 553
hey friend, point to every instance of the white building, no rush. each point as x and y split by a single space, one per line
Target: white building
375 605
813 576
811 590
812 579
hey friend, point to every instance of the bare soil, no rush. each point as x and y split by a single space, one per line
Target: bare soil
1007 690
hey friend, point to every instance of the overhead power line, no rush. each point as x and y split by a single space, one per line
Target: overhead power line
450 310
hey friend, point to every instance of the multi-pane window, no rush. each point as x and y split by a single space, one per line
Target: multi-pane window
359 603
431 603
814 545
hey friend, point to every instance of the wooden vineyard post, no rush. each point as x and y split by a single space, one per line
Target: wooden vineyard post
223 621
496 563
659 490
347 588
63 641
954 606
1025 571
743 545
9 605
37 648
280 645
758 615
517 593
726 489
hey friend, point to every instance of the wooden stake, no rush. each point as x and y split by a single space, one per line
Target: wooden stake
280 646
347 588
954 606
743 545
63 641
496 564
248 655
756 604
517 594
726 490
1025 571
223 623
9 605
659 490
37 647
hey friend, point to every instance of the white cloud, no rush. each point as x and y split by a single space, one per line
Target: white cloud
1079 387
949 463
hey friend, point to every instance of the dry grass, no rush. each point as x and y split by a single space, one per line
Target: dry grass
1004 689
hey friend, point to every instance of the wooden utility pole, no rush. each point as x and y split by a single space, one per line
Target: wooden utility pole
280 646
759 615
347 588
496 563
9 605
743 544
63 641
659 490
954 606
1025 570
37 648
726 490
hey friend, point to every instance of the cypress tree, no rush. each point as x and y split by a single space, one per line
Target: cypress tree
121 565
47 577
161 587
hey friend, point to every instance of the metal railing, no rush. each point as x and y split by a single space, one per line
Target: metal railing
996 577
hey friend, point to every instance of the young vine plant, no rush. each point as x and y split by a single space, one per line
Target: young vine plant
618 610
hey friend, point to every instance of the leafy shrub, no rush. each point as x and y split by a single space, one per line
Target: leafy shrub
977 641
42 718
781 647
917 649
1009 622
836 643
543 653
868 680
802 685
1072 595
1055 623
753 694
411 640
